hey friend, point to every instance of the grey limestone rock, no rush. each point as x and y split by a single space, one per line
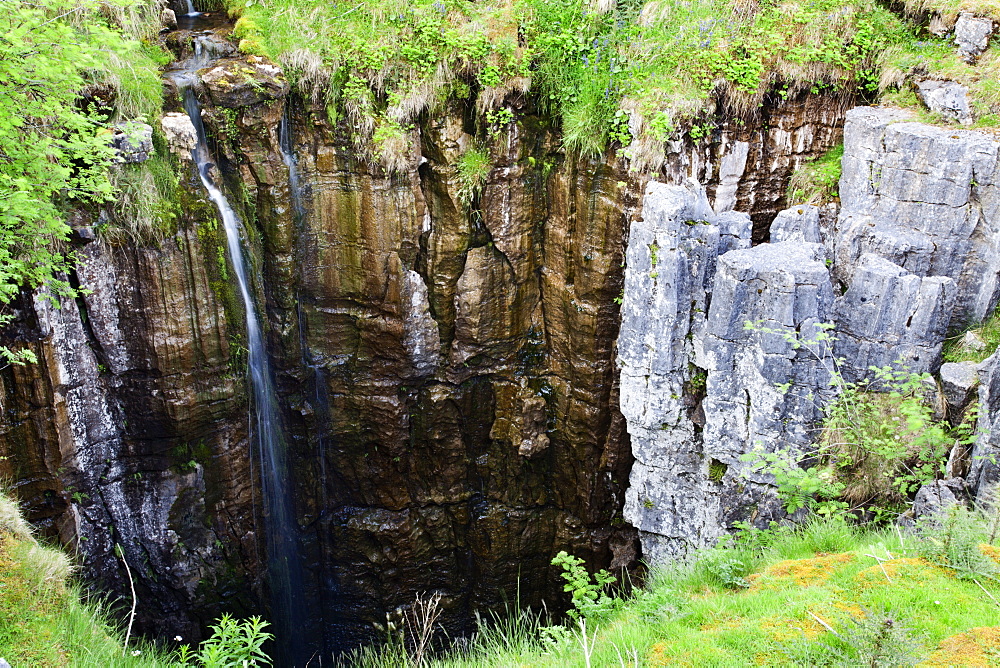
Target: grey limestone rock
948 98
972 35
890 317
984 470
785 290
924 198
973 341
133 141
798 223
670 264
958 381
938 495
168 19
699 389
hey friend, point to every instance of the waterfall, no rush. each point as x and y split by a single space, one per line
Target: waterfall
191 10
284 570
319 398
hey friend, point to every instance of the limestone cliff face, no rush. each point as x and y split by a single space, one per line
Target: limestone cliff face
130 432
911 256
446 365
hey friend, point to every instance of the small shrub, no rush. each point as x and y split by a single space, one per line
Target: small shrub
233 644
953 537
879 442
590 597
876 640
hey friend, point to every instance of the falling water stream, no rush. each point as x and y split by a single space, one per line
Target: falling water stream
320 399
284 569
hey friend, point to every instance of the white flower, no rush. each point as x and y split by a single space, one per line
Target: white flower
136 652
178 639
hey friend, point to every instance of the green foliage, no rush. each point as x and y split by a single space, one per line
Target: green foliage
818 181
473 168
880 441
626 74
590 598
887 444
817 597
876 639
988 332
952 539
54 146
233 644
798 487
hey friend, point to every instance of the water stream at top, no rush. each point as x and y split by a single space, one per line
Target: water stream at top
284 570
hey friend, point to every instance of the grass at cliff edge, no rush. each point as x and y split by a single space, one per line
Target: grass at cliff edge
43 618
823 594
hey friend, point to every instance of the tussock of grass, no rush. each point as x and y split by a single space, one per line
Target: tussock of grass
44 620
145 200
818 181
626 74
988 332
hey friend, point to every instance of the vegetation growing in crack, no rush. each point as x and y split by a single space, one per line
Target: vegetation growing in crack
879 440
817 181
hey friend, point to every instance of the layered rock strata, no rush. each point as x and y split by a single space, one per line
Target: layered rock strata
444 363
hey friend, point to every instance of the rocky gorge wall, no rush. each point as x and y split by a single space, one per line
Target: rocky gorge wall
910 257
446 368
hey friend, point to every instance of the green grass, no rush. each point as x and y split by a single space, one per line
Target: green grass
473 168
613 74
818 181
45 620
756 602
988 332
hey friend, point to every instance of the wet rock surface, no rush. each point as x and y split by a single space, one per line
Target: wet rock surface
446 369
240 82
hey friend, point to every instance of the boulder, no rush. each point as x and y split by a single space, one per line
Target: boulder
939 495
182 138
958 382
799 223
947 98
972 341
926 199
133 141
235 82
972 35
168 19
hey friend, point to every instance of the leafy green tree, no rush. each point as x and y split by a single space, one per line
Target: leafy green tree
54 147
